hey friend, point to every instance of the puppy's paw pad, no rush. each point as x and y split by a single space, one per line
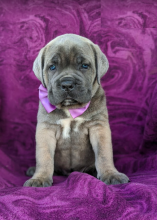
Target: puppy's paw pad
113 178
42 182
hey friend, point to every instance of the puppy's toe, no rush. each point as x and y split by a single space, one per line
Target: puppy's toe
30 171
42 182
113 178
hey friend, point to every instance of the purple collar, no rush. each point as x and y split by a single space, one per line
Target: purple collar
43 96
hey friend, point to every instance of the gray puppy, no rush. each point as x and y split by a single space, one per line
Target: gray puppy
70 68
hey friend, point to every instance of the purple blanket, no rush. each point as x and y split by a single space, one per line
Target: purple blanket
126 31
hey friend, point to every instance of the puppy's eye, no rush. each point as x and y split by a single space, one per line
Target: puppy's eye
85 66
52 67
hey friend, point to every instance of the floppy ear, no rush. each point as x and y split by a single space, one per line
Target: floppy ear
38 66
101 63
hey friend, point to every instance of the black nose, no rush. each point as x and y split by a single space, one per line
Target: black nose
67 85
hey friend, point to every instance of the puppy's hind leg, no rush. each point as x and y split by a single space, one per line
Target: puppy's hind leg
30 171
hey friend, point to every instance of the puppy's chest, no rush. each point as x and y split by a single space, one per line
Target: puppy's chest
70 129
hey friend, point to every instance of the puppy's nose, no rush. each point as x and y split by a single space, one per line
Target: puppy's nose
67 84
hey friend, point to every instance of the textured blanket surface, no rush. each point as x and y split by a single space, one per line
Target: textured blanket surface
126 31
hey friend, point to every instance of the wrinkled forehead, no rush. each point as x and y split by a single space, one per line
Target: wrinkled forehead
69 49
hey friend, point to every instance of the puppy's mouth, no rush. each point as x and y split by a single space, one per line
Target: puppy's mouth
69 102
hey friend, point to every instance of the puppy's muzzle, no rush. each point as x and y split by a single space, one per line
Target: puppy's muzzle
67 84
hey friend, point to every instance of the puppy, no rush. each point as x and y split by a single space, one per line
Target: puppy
73 132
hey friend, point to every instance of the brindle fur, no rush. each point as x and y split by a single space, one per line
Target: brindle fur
64 144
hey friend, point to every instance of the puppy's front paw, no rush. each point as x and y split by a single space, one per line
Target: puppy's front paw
114 177
42 182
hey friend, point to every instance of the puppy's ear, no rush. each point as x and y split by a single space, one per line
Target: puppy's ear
38 66
101 63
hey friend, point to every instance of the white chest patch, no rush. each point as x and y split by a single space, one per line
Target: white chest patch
66 125
79 121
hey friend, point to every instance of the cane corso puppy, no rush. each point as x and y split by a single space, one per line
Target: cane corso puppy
70 68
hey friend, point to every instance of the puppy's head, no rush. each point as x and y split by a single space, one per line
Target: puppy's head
70 67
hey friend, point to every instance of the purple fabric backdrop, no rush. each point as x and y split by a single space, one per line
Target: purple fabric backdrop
126 31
